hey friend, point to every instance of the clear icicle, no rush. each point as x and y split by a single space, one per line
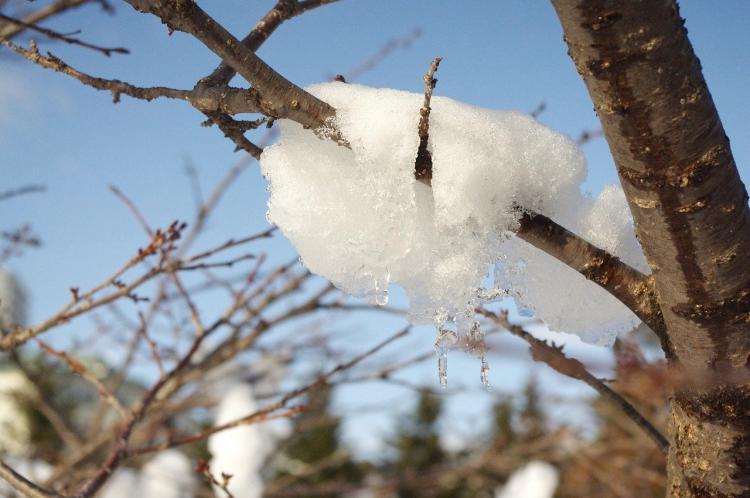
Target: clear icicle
443 343
443 369
381 290
484 373
477 346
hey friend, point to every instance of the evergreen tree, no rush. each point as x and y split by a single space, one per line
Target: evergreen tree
419 449
313 457
532 419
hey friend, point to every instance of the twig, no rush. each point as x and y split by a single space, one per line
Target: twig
133 209
265 413
570 367
229 100
10 31
27 189
539 109
23 485
386 50
77 367
108 51
586 136
423 163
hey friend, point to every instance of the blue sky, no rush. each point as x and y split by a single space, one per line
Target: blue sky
497 54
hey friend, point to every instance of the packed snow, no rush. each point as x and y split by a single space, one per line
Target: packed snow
359 218
536 479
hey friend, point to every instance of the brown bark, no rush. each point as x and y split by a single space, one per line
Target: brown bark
690 210
633 289
279 98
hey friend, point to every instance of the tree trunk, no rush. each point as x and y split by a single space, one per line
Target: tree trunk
690 210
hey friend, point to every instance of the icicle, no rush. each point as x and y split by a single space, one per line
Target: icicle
476 345
443 369
443 343
484 373
381 290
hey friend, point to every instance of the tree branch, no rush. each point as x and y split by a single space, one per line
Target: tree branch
555 358
65 38
23 485
691 217
227 100
282 11
628 285
280 98
10 31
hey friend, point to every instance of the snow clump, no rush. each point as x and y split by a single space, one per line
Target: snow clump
240 451
359 218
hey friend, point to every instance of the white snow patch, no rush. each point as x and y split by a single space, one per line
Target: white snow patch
168 475
358 217
15 420
536 479
240 451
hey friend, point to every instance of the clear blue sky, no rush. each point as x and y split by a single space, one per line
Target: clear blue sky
498 54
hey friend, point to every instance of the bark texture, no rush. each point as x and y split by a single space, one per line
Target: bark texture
690 210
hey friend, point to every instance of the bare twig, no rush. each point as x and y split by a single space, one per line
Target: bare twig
79 368
27 189
265 413
23 485
229 100
108 51
555 358
386 50
423 163
12 30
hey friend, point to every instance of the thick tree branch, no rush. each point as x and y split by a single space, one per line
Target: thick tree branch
631 287
280 98
282 11
691 216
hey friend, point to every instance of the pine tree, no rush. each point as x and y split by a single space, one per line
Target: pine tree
313 457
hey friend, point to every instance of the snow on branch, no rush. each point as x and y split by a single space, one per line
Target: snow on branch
360 218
